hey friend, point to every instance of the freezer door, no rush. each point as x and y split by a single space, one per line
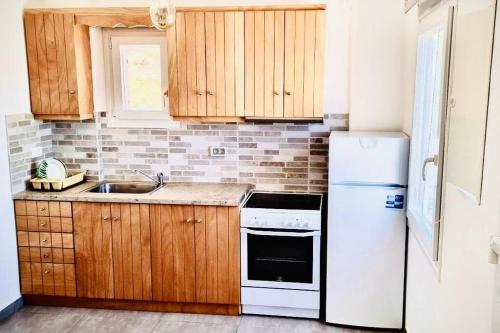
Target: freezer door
366 255
364 157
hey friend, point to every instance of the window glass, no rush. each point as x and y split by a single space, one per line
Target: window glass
141 77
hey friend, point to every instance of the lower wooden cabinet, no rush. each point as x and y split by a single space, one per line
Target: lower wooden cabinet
195 254
112 250
45 248
166 253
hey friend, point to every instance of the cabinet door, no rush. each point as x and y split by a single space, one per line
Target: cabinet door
131 251
195 254
206 71
113 250
285 51
59 66
93 250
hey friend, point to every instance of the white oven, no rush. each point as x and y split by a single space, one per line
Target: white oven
280 254
285 259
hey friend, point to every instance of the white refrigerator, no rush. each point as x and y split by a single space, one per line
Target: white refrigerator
368 174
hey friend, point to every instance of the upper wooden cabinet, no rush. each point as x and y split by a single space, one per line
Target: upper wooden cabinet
59 66
206 72
230 65
284 60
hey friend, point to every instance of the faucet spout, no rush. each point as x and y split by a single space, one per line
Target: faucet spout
159 177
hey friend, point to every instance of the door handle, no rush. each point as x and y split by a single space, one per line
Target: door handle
494 250
434 159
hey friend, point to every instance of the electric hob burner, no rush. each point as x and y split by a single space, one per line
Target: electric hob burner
284 201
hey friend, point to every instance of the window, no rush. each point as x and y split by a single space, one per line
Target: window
136 74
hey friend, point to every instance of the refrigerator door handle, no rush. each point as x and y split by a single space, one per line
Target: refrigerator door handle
434 159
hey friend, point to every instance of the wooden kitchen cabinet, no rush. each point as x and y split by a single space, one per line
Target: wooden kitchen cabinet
284 64
112 250
45 248
59 66
195 254
206 72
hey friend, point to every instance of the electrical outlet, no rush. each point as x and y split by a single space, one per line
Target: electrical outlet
217 151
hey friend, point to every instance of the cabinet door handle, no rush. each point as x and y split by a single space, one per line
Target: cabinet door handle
115 218
72 92
105 218
199 92
189 220
199 220
211 93
275 93
288 93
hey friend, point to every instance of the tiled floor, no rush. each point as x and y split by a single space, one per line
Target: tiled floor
57 320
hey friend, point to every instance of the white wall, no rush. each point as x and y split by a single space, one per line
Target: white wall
461 299
14 99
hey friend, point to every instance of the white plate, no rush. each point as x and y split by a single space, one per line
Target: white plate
56 170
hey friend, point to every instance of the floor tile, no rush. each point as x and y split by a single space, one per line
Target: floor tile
28 322
166 326
201 318
135 323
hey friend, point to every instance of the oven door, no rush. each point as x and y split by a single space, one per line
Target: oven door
280 259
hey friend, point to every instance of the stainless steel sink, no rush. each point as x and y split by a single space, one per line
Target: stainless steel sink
134 188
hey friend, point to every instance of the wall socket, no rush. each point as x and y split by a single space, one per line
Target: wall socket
217 151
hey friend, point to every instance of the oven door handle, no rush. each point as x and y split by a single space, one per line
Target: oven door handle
280 233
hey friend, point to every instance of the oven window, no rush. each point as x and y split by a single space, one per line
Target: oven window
280 259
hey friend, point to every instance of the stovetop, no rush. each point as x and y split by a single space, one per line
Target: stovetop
289 201
282 211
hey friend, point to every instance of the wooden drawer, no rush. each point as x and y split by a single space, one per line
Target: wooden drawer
43 208
46 255
44 223
45 239
47 279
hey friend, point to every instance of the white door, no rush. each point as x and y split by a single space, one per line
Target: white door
429 117
366 256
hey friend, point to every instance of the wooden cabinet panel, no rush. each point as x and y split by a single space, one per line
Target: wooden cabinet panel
191 257
93 250
59 66
113 252
208 82
286 50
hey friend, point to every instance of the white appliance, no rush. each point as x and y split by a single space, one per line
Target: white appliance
366 229
280 254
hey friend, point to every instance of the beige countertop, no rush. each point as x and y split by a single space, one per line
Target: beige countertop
209 194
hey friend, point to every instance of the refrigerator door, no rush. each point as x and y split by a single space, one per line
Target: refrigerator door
366 256
369 157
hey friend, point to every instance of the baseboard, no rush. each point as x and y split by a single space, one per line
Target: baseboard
10 309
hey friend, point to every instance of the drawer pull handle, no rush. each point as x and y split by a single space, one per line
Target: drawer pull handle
275 93
43 209
105 218
72 92
189 220
288 93
45 255
115 218
45 240
43 224
46 271
199 220
211 93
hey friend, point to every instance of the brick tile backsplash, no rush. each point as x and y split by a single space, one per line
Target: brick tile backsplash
272 156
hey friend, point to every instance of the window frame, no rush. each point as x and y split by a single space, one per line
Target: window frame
112 39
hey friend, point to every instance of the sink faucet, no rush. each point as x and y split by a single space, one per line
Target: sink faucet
159 177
